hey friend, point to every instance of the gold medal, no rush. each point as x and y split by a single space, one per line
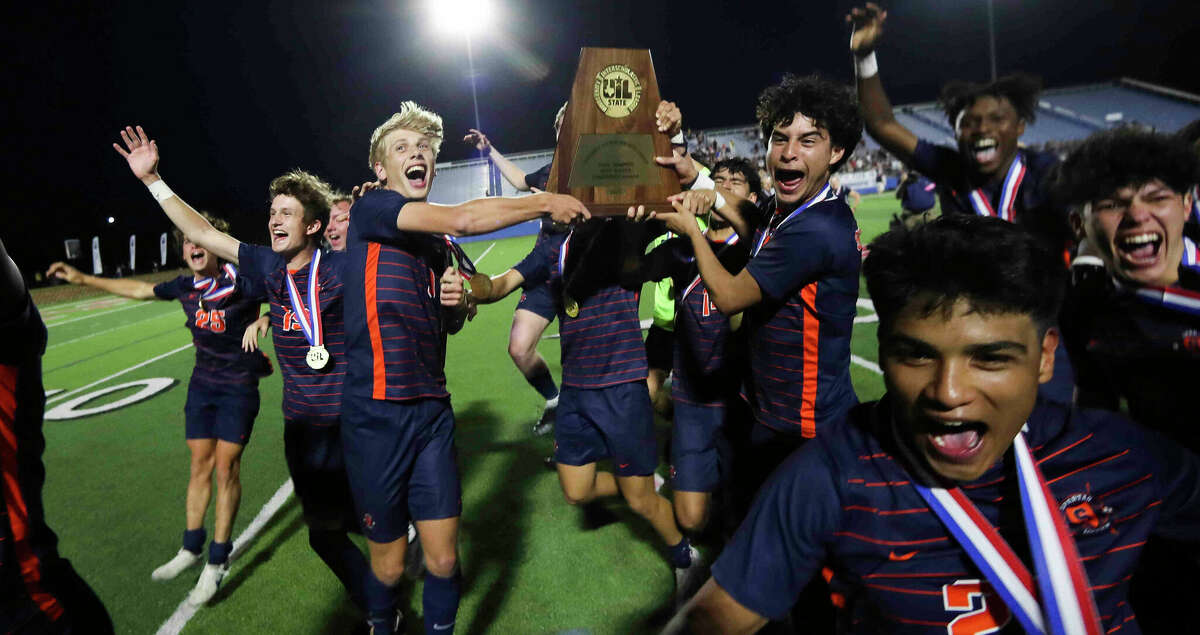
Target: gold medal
570 306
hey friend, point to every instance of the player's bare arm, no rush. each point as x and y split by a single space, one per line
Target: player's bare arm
713 610
487 290
136 289
729 292
141 153
484 215
513 174
876 108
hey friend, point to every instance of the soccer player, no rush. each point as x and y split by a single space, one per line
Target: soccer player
988 174
705 377
959 502
535 310
848 194
799 290
339 222
39 590
916 194
398 427
222 399
304 317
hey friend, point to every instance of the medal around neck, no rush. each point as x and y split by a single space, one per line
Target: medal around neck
309 315
317 357
570 306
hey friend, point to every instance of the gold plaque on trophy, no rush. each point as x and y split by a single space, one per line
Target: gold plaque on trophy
609 137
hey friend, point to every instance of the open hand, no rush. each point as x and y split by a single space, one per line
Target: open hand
140 152
358 190
255 330
482 143
63 271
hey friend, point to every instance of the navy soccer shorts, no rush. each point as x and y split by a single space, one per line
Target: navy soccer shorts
317 465
613 422
401 462
699 448
539 299
220 411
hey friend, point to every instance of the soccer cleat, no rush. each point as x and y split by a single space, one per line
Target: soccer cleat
545 424
175 566
689 579
210 581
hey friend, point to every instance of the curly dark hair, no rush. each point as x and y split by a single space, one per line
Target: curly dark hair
1021 90
743 166
1108 161
831 105
313 193
994 265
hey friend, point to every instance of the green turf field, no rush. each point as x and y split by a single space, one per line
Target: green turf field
115 484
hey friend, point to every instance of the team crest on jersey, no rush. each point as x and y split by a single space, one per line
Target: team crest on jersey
1190 341
368 522
1085 515
617 90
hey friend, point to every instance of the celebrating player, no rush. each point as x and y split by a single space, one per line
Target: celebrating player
305 296
535 310
339 222
960 502
398 426
39 590
222 399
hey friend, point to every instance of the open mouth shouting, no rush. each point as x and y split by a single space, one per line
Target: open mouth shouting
198 258
789 182
1139 250
954 441
985 151
279 238
417 176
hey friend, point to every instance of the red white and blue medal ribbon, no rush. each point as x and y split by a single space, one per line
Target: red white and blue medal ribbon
310 319
825 193
728 242
466 268
1173 298
1008 193
1061 603
1191 259
211 289
562 252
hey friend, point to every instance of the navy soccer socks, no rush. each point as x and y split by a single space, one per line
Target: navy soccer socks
193 540
440 602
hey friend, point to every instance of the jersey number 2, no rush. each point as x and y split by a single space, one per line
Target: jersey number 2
989 617
212 320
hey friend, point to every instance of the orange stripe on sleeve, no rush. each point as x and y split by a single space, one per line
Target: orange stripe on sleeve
812 347
379 376
18 512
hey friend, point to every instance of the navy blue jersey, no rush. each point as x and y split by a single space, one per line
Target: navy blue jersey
217 329
549 228
799 334
313 396
395 338
602 346
1034 208
1124 348
846 502
703 374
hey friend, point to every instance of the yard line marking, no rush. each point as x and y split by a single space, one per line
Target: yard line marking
485 252
185 611
867 364
64 395
109 330
133 305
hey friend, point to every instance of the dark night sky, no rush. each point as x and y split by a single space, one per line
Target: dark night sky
237 93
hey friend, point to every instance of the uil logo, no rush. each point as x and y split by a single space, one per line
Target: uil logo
1085 515
617 91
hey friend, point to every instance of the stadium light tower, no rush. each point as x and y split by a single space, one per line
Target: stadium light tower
463 18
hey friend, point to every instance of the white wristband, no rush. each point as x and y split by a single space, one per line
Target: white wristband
867 66
720 202
160 191
678 139
703 182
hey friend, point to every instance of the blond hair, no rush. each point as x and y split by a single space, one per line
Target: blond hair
412 116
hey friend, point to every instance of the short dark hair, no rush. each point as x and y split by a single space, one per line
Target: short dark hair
743 166
1108 161
996 266
309 189
1021 90
831 105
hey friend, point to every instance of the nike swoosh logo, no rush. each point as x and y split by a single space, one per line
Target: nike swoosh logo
624 465
901 557
446 627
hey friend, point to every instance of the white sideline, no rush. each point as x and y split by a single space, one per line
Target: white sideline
64 395
485 253
185 611
96 315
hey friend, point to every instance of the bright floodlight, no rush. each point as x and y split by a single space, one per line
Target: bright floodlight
111 220
461 17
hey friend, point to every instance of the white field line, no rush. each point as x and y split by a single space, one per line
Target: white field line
64 305
109 330
867 364
64 395
485 253
134 305
185 610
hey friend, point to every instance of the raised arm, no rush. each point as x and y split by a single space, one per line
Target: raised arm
872 100
12 284
484 215
510 171
136 289
141 153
